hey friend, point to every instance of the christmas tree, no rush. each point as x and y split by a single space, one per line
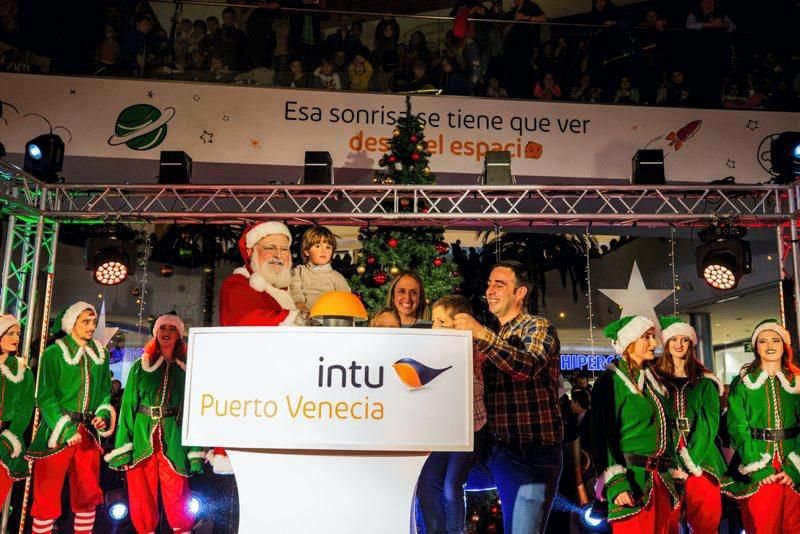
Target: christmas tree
388 250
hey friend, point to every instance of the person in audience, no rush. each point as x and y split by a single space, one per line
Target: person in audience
340 66
584 92
108 50
386 38
626 94
709 17
133 46
218 71
493 89
604 13
210 42
315 277
406 294
336 40
360 73
452 80
440 489
233 41
280 55
325 77
521 374
547 89
417 49
296 76
520 40
386 317
674 92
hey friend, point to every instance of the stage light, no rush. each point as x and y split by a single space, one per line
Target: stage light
110 260
44 157
117 505
785 157
725 257
588 518
195 504
593 517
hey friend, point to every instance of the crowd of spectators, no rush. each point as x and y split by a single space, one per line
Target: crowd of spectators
655 55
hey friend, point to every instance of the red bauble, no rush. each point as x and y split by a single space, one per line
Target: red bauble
392 159
438 262
491 528
441 247
455 274
392 242
380 277
495 510
413 138
371 260
415 156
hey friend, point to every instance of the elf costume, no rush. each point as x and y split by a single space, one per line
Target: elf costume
16 408
148 442
764 426
631 451
693 412
74 387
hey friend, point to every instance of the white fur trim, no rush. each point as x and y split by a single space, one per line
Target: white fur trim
678 329
775 327
717 381
15 378
654 381
755 466
128 447
610 472
795 459
221 464
180 364
631 332
16 445
794 389
750 384
72 313
692 467
196 455
257 282
112 423
262 230
626 380
71 360
679 474
290 319
98 357
146 367
52 442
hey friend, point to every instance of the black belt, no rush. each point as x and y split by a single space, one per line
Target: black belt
651 463
81 417
775 434
683 424
158 412
4 425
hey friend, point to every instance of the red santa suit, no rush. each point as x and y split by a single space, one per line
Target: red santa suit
247 299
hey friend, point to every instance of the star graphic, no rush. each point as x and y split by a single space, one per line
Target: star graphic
150 95
226 118
207 137
255 143
72 91
196 98
637 299
731 164
752 125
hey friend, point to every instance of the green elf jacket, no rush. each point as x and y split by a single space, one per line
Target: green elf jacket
16 408
693 413
153 383
628 417
758 400
71 379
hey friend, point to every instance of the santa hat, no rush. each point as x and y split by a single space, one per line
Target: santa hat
256 232
66 319
773 325
672 326
168 319
627 330
6 322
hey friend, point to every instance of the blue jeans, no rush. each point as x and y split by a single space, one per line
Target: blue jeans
440 489
527 480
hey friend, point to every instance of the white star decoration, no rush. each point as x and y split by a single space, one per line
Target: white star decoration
637 299
103 333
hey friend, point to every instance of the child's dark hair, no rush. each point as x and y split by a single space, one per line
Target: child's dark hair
454 304
381 311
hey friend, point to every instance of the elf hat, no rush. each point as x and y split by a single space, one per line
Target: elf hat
6 322
168 319
256 232
775 326
672 326
627 330
66 319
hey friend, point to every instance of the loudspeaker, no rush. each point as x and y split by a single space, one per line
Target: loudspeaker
648 167
497 168
175 168
785 157
318 169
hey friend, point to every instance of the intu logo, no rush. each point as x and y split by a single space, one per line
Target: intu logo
354 375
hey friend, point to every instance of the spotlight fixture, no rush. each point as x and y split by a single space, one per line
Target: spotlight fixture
725 257
110 260
195 504
117 505
44 157
785 157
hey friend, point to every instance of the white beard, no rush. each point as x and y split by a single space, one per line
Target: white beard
279 279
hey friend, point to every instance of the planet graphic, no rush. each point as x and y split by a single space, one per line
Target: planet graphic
141 127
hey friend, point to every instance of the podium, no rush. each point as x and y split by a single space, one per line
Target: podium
327 429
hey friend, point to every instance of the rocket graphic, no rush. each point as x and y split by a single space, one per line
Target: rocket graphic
415 374
677 139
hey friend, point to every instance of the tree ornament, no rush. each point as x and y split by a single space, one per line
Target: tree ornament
475 518
392 159
371 260
437 262
376 179
396 133
415 156
413 138
167 271
135 291
455 274
380 277
394 270
494 510
426 171
392 242
388 180
491 528
405 202
208 269
441 247
420 147
361 269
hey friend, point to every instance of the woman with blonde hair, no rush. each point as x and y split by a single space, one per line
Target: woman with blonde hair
632 445
693 411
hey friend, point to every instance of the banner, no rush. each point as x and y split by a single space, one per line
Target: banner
329 389
114 118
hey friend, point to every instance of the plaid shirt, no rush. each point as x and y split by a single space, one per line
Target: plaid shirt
521 381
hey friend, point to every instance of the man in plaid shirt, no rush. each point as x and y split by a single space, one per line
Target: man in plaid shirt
521 393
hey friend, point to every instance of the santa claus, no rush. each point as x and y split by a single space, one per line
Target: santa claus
257 294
